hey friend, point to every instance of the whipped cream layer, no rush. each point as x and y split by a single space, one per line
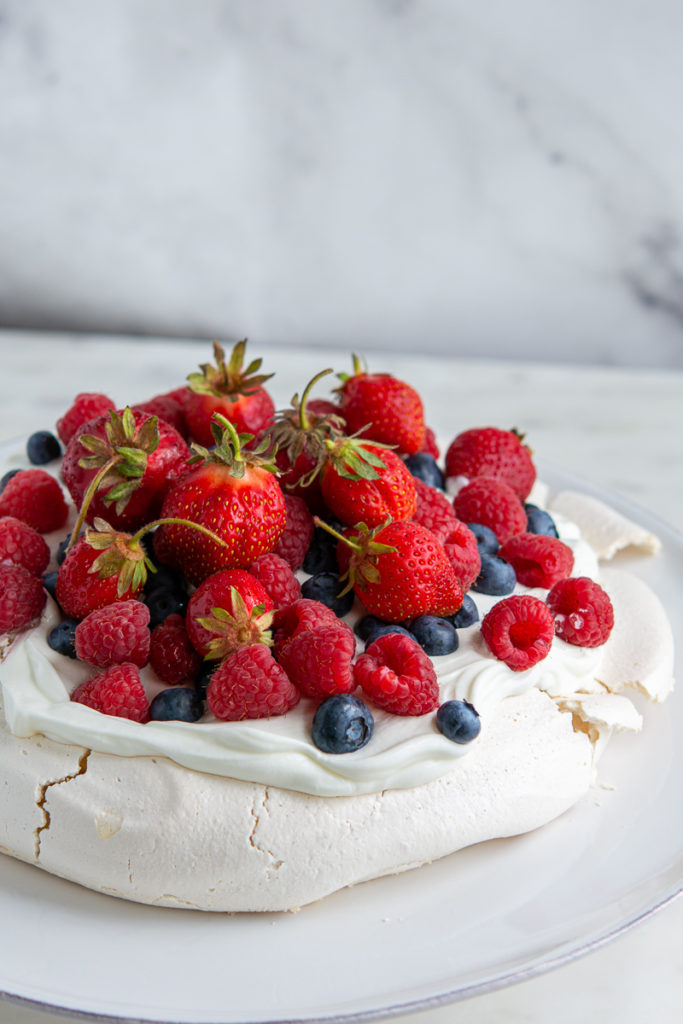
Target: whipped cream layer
403 751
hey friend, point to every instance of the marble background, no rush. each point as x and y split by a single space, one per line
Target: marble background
477 179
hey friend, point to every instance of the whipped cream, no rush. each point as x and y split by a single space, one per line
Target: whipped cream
403 752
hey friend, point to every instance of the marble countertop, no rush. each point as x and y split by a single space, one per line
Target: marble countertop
620 428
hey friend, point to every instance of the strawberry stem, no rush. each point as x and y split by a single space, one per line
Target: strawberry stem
90 492
137 537
304 421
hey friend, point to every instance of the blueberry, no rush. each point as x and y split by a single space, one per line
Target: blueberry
487 542
435 635
62 638
6 478
163 602
322 553
539 521
467 614
458 721
342 723
496 577
43 447
382 629
178 704
50 584
164 578
425 468
204 678
325 587
364 626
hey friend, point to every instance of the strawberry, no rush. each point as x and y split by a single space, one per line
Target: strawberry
231 492
229 389
491 452
170 407
101 568
398 571
364 482
383 408
228 611
301 435
121 465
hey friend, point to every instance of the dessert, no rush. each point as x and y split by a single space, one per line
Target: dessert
356 749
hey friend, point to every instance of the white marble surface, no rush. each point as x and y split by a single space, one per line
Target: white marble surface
621 428
497 179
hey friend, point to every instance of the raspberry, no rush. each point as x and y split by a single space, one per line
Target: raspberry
302 615
519 631
22 545
298 533
171 654
36 498
86 406
318 661
250 684
538 560
118 691
430 446
278 579
461 547
582 611
491 452
115 634
434 510
22 598
397 676
491 503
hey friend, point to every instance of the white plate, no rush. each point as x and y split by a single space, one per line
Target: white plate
477 920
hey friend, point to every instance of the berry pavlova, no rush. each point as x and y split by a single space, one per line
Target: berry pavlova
254 656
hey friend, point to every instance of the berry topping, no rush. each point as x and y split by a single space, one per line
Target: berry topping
519 631
458 721
250 684
118 691
298 532
383 408
22 598
434 511
539 521
21 544
430 445
277 578
342 723
362 482
171 654
582 612
322 552
460 545
177 704
318 661
62 638
303 615
397 675
42 447
326 587
115 634
231 389
467 615
435 636
491 452
425 468
496 577
86 406
538 560
228 611
491 503
487 542
102 567
36 498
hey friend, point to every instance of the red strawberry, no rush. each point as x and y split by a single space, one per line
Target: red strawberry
489 451
399 571
384 408
301 436
229 389
250 684
228 611
362 482
231 492
143 455
101 568
169 407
